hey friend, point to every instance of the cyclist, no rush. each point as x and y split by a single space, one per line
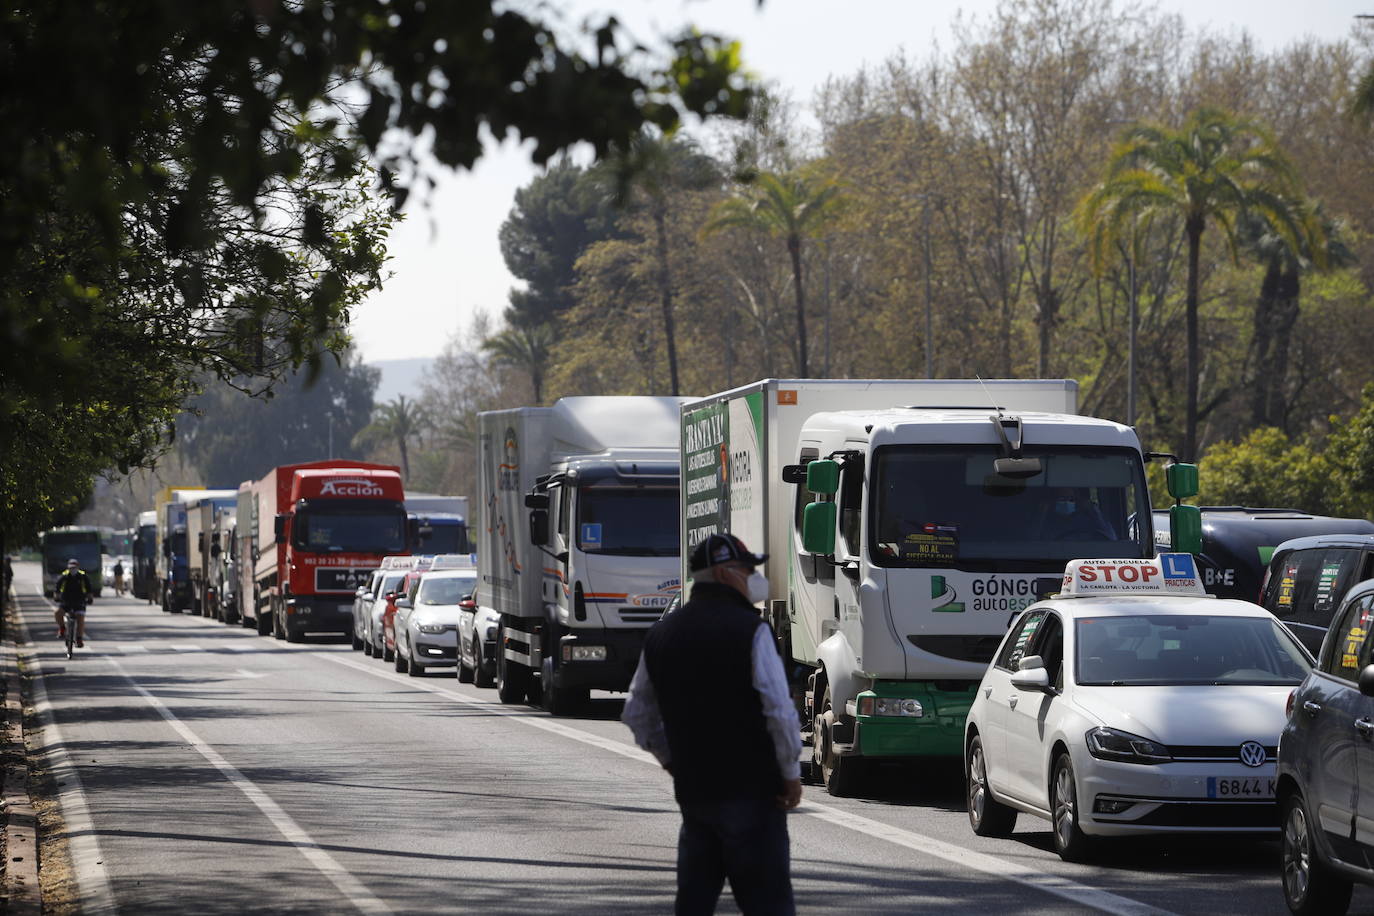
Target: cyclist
73 591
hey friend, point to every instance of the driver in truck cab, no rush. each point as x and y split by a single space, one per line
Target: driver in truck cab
1069 514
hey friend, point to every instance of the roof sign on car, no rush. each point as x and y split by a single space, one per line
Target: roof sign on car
1173 574
454 561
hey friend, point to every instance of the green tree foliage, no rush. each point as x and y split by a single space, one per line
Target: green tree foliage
555 218
792 207
525 349
1266 468
229 438
398 422
1212 170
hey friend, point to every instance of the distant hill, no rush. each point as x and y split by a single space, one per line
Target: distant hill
400 376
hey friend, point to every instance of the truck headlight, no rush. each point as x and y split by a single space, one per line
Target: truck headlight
891 706
576 653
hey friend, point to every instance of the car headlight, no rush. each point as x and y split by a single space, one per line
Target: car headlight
433 629
890 706
491 631
1114 744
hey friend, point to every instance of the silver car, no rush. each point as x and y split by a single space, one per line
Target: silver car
362 603
373 641
427 620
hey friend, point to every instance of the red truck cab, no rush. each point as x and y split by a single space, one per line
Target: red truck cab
323 528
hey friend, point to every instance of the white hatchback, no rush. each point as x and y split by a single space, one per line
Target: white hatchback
427 620
1132 703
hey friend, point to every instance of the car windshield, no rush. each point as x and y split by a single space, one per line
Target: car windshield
1176 649
446 590
357 531
946 507
390 584
627 520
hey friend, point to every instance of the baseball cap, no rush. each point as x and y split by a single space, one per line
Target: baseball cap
722 548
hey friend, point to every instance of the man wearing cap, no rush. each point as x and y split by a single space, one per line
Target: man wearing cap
73 590
710 701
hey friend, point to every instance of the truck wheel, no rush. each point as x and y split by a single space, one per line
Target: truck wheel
842 776
278 631
559 701
512 678
263 623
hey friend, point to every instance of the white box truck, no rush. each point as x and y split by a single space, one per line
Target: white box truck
907 523
200 525
577 540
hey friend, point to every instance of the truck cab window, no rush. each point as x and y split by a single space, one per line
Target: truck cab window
851 497
564 517
804 497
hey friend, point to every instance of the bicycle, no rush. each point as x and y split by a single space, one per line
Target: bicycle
70 622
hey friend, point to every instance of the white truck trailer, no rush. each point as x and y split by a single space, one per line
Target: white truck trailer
200 525
907 523
577 540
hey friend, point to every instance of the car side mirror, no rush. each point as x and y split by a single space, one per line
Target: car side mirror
390 596
1031 674
402 602
1367 681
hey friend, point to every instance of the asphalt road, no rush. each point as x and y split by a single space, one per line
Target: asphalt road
207 769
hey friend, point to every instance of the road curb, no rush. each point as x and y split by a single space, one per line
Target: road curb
22 891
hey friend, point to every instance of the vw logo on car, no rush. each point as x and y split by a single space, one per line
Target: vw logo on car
1252 754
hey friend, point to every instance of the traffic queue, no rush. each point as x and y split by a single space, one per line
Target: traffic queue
987 584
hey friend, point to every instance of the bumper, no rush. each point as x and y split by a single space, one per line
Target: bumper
937 732
312 614
1190 797
614 672
434 649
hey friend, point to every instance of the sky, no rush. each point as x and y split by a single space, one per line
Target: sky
445 258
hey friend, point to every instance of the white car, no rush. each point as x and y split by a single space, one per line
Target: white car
477 629
362 603
427 620
374 642
1132 703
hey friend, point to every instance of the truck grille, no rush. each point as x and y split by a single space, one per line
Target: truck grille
640 614
339 579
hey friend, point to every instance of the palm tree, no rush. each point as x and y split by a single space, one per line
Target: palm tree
396 421
792 206
1212 170
648 169
1278 305
525 349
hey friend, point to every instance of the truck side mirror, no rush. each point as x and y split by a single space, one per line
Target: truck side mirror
823 477
794 473
536 500
1185 529
214 550
539 526
1181 480
279 528
818 527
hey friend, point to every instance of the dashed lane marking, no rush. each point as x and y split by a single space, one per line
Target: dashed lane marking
1061 887
352 889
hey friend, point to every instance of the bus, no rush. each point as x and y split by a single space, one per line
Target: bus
59 545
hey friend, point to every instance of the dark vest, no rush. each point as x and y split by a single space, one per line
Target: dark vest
700 662
72 587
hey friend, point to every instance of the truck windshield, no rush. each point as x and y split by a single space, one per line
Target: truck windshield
445 537
84 546
628 521
349 530
945 507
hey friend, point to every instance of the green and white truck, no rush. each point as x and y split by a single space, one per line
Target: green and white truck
907 522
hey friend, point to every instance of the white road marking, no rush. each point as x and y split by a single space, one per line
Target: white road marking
1072 891
129 648
93 885
244 672
353 889
183 647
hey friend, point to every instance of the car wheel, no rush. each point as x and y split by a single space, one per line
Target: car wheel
1069 840
367 646
1309 886
481 677
986 815
842 775
357 640
465 674
398 660
412 668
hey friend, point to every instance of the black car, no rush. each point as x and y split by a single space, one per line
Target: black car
1238 541
1325 765
1308 578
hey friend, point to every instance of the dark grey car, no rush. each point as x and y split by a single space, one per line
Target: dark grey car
1326 766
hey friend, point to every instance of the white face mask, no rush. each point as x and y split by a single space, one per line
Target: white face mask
756 587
